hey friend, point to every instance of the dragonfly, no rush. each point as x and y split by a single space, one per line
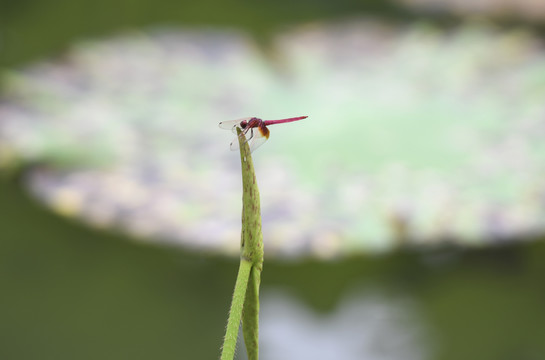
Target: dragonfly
254 129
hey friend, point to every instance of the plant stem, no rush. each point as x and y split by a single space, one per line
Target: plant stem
250 316
246 295
235 314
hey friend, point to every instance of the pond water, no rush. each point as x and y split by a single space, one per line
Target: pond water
71 292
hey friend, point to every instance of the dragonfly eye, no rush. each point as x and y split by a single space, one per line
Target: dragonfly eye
243 124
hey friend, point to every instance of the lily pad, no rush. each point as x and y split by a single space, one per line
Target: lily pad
415 136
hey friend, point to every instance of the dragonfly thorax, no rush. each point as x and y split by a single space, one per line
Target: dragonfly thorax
252 123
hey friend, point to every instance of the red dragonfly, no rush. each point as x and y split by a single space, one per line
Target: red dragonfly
255 127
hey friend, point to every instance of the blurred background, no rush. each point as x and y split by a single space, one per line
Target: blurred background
402 220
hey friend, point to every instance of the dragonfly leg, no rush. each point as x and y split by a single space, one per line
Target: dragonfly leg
251 134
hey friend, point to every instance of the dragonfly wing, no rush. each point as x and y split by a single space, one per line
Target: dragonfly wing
234 143
255 141
232 124
259 137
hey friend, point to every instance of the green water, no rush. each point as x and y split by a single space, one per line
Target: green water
72 293
68 292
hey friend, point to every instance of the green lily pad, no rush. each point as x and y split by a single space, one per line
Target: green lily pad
415 136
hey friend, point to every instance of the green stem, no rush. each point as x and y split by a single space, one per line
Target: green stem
250 316
235 314
252 238
246 294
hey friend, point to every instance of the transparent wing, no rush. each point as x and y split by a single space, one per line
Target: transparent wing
232 124
258 139
234 144
255 139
